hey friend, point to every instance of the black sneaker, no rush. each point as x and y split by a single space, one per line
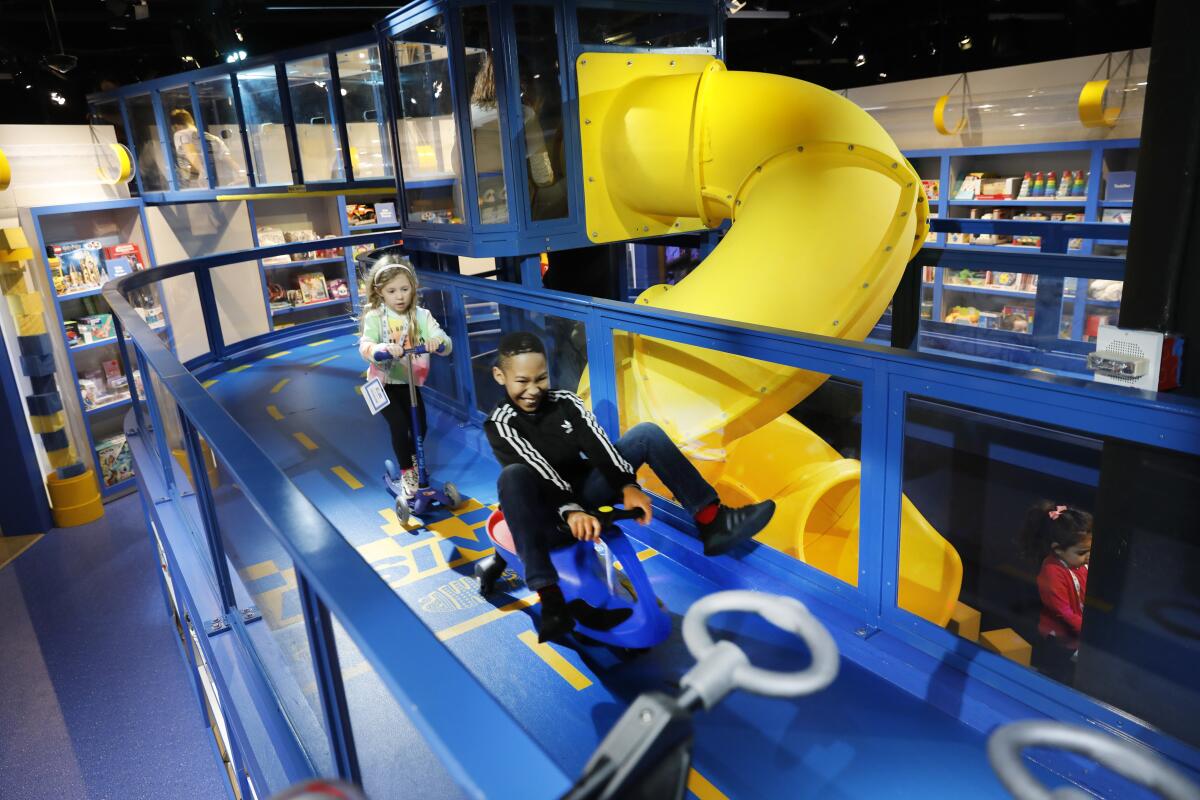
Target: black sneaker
598 619
555 622
734 525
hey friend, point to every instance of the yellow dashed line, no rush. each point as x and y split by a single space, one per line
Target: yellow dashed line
322 361
275 389
308 443
323 341
647 553
280 354
242 368
698 785
483 619
274 412
555 661
208 383
344 474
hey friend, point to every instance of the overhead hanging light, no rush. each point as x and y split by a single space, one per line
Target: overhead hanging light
861 60
965 43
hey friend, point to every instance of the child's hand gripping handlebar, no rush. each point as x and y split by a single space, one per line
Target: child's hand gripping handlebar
605 515
419 350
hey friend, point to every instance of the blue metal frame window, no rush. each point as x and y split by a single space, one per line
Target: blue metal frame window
426 123
488 127
311 93
224 146
360 84
266 128
629 27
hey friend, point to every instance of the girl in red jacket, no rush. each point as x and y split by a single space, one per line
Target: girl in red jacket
1062 537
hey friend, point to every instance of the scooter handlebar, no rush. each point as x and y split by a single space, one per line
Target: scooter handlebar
385 355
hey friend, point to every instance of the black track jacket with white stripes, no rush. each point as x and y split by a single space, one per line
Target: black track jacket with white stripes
553 441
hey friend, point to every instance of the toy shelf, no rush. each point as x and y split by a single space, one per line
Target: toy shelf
1033 202
322 215
97 363
1061 325
307 306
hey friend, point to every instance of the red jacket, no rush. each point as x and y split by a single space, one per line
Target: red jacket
1062 603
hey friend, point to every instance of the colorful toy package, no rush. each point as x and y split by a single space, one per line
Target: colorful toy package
82 266
115 460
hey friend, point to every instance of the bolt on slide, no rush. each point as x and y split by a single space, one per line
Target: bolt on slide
826 215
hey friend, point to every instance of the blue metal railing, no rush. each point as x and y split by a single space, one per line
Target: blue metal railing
334 580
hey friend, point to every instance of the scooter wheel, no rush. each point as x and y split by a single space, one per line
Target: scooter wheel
389 469
403 512
451 492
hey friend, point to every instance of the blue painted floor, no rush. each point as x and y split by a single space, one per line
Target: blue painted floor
861 738
95 698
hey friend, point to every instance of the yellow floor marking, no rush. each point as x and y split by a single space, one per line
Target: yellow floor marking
344 474
483 619
323 341
698 785
649 552
555 661
469 505
274 412
303 439
279 354
208 383
259 570
323 360
275 389
242 368
13 546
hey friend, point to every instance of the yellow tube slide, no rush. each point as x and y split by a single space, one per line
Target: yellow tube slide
826 214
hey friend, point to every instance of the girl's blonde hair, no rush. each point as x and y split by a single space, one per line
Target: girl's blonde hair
383 274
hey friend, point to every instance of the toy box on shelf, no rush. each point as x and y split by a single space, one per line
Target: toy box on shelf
1001 313
83 247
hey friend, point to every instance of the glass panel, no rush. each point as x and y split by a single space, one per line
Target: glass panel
151 157
190 172
487 322
756 430
485 116
258 89
988 299
1101 306
657 29
361 78
426 126
392 753
263 572
320 150
1019 501
541 105
108 112
443 377
222 136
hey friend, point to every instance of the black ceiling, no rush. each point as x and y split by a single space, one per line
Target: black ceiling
820 40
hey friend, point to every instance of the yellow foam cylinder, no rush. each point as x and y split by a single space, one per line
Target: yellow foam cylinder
74 501
210 464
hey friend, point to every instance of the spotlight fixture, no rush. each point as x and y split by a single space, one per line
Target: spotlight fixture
965 43
861 60
59 63
237 55
55 97
883 74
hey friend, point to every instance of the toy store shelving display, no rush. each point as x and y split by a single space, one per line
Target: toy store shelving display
83 247
1018 317
374 211
320 283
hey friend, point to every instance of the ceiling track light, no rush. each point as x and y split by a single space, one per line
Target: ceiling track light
861 60
965 43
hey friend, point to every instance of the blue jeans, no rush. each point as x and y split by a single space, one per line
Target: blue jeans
533 519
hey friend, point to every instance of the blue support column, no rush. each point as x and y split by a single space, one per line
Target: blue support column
531 271
205 153
19 471
156 422
208 512
212 319
328 672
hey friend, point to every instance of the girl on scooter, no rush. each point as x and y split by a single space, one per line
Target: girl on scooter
394 321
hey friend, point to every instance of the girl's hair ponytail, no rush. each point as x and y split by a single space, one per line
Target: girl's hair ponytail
1048 524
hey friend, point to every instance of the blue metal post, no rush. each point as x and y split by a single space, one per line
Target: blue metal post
235 93
328 672
208 512
334 96
289 123
165 139
156 420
